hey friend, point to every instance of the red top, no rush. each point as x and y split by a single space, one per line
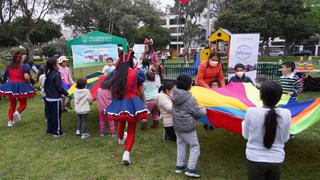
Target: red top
17 74
206 74
134 77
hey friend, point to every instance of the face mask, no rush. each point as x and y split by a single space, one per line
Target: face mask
213 63
240 74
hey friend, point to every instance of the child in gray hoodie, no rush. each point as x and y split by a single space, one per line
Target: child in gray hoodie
185 111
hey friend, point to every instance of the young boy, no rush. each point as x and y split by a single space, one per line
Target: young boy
259 80
109 67
289 81
214 84
185 111
240 75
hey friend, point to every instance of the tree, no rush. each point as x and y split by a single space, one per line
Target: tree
8 10
127 18
49 50
27 26
271 18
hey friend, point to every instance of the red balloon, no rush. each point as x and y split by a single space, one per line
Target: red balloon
184 1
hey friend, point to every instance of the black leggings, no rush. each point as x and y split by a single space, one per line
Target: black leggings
264 171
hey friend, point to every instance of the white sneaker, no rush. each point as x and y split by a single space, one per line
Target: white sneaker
10 123
78 133
17 116
126 158
85 135
123 140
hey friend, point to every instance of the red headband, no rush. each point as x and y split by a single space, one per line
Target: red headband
124 60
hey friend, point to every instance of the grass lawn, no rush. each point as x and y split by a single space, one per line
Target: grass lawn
28 153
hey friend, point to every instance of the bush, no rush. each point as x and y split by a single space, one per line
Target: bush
49 50
21 50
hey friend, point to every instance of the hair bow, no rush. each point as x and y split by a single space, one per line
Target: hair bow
148 41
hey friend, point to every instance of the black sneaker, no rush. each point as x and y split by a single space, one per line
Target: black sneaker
64 110
180 169
192 173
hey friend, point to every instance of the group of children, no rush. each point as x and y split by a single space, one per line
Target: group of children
129 95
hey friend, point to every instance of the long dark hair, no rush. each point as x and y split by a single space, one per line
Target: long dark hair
16 60
106 83
51 65
270 94
119 79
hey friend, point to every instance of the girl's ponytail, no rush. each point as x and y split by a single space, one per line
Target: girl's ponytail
270 126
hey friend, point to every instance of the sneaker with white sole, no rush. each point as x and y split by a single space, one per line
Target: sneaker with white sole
59 135
112 135
78 133
180 169
126 158
192 173
123 140
10 123
17 116
85 135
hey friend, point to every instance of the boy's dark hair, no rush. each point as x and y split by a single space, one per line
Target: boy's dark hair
167 86
289 64
184 81
110 59
150 76
270 94
41 70
239 65
81 83
215 81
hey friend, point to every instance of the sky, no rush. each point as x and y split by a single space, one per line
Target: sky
163 3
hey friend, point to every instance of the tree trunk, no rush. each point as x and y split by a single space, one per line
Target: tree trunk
30 48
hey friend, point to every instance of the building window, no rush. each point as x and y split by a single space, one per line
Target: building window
175 21
163 22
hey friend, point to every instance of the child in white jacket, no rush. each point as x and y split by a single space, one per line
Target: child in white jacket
165 107
82 101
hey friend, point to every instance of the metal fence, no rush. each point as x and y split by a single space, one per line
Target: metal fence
172 70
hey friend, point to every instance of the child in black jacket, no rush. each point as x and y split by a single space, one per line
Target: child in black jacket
53 89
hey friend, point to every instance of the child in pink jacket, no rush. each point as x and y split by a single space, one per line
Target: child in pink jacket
104 100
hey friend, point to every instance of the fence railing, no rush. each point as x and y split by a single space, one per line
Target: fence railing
172 70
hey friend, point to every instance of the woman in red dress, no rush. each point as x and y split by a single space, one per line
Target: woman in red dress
17 87
127 101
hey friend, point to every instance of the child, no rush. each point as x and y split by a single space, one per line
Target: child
289 81
17 87
66 79
259 80
41 78
185 111
267 130
82 101
151 95
127 105
109 67
165 107
240 75
54 91
214 84
145 65
104 100
157 69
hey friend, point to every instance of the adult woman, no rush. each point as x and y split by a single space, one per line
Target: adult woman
17 87
149 54
210 70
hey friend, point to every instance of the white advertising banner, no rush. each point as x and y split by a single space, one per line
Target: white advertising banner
138 50
244 49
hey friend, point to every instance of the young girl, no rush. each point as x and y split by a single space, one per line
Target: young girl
54 91
104 100
165 107
41 77
157 70
127 104
66 79
267 130
82 101
151 95
17 87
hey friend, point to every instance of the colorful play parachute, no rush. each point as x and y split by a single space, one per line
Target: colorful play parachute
226 107
94 81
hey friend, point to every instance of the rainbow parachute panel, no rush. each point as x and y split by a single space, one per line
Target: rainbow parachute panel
226 107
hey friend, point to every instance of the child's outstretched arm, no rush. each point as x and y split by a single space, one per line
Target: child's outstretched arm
197 111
